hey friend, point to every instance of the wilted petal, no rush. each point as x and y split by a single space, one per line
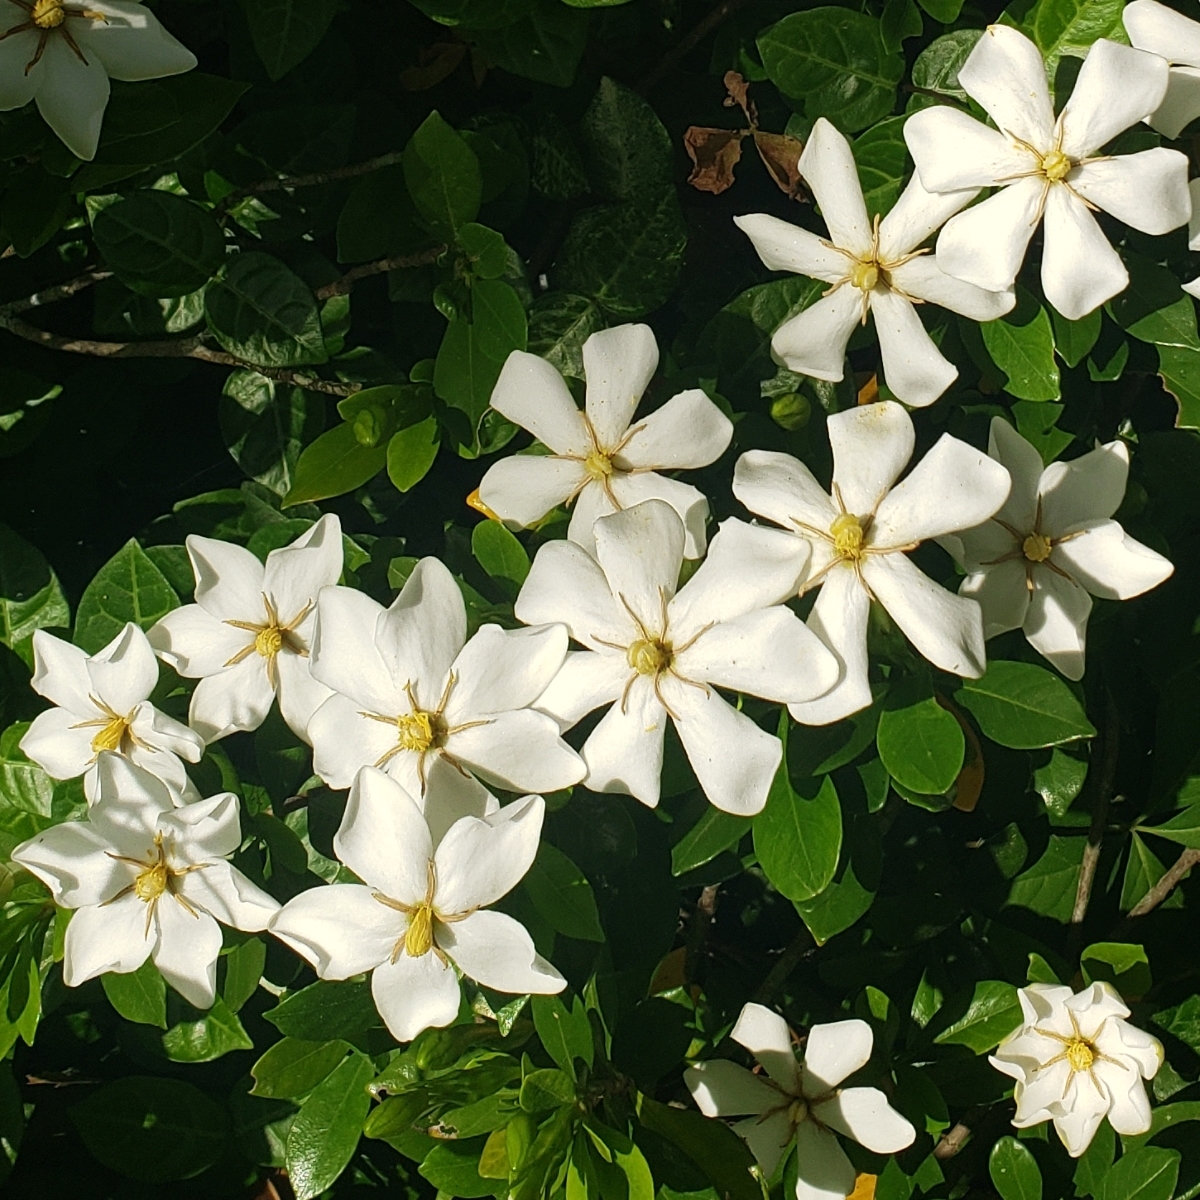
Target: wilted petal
383 838
782 489
923 279
1006 74
532 394
863 1113
954 152
104 938
189 944
618 365
1080 269
1056 623
721 1088
688 431
871 445
340 928
624 753
986 244
482 859
915 369
834 1052
783 246
523 488
828 168
500 669
1117 87
640 551
766 1035
413 994
813 342
1088 488
496 951
1111 564
1002 596
1148 190
72 97
823 1172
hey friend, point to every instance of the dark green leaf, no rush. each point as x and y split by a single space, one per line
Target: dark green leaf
714 832
937 66
1152 308
1061 27
326 1010
629 149
452 1168
712 1145
562 895
1024 707
325 1133
545 46
499 553
1122 964
1179 369
565 1033
1074 339
129 587
286 32
443 177
1048 888
1148 1173
882 159
209 1036
1014 1171
559 324
31 597
243 972
265 425
139 996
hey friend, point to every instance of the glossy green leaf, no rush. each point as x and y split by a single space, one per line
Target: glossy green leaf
1061 27
1014 1171
562 895
211 1035
1021 344
920 743
1153 309
411 453
992 1014
1074 339
1049 887
452 1167
712 833
1122 964
1148 1173
244 966
31 598
937 66
139 996
1024 707
499 553
326 1010
129 587
565 1033
291 1067
443 176
336 463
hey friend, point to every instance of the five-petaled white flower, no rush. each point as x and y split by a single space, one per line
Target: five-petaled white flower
875 268
147 879
1048 167
247 637
419 912
1193 287
653 653
103 704
62 53
598 459
418 700
1077 1060
1169 34
801 1103
1033 565
862 535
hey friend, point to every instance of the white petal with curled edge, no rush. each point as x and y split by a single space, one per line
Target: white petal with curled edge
482 859
618 365
345 656
985 245
1119 1039
56 743
72 860
823 1172
525 487
947 629
300 695
863 1113
1084 1109
60 673
501 669
343 740
915 369
828 168
210 828
295 574
131 44
532 394
195 642
1002 596
1080 269
565 584
17 86
587 680
871 444
624 753
985 546
237 698
1129 1113
782 489
1117 86
783 246
163 733
735 761
495 950
413 994
923 279
1088 488
519 751
1110 564
690 504
111 937
72 97
1192 287
189 944
769 1139
954 152
640 551
916 216
229 579
1056 623
813 342
225 893
1024 466
1006 74
688 431
721 1088
383 837
125 672
1148 190
766 1035
340 928
133 801
834 1052
1162 30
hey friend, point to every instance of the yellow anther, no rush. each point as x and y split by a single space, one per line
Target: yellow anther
152 882
847 533
649 656
865 275
1081 1054
269 641
797 1111
1056 166
112 736
418 938
598 465
1036 547
48 14
419 730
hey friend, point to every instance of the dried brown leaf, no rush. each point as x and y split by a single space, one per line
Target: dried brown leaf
781 157
739 94
714 154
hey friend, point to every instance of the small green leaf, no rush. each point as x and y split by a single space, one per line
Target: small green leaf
1049 887
411 453
291 1067
1021 344
1014 1171
443 177
326 1010
714 832
1074 339
1024 707
243 972
499 553
336 463
1122 964
565 1033
920 743
211 1035
546 1089
452 1168
129 587
992 1014
1059 782
31 598
139 996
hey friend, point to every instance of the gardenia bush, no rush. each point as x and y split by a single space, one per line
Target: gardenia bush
546 657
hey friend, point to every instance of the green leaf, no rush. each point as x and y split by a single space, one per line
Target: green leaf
1037 424
944 11
1021 344
1148 1173
1059 782
901 20
336 463
263 313
1153 309
292 1068
151 1129
1014 1171
1143 870
139 996
545 1089
24 786
1074 339
411 453
629 149
1122 964
937 66
1096 1160
211 1035
559 324
854 885
1061 27
1024 707
1183 828
443 176
993 1013
714 832
326 1010
452 1168
499 553
920 743
1182 1021
1048 888
129 587
565 1033
474 14
835 61
31 598
545 46
243 972
711 1145
286 32
1179 370
882 159
325 1133
562 895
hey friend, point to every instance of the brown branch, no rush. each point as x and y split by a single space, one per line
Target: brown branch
715 16
345 285
1166 885
63 291
311 180
952 1141
1101 797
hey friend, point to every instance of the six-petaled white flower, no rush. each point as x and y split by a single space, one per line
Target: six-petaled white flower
1047 167
877 268
420 910
1052 546
1169 34
801 1103
861 537
599 459
1077 1060
103 703
654 653
147 880
62 53
248 635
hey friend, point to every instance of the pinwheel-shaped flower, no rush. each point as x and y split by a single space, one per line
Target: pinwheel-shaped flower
247 637
147 880
798 1103
416 699
1169 34
1033 565
598 459
1077 1060
419 912
876 268
62 53
861 537
653 654
103 704
1049 167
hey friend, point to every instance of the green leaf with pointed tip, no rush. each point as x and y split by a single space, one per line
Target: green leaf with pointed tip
1049 887
1014 1171
129 587
1024 707
443 176
1021 344
293 1067
286 32
31 598
920 743
562 895
139 996
1148 1173
992 1014
336 463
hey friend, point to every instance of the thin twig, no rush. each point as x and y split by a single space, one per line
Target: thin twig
313 179
952 1141
1166 885
716 16
62 291
697 929
1101 797
345 285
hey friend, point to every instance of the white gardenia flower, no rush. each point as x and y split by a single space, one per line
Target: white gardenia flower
248 635
875 268
62 53
801 1103
654 653
420 911
1169 34
1033 565
1077 1060
103 704
861 537
1048 167
416 699
147 880
1193 288
599 459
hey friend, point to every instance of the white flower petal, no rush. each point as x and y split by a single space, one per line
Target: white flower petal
495 950
823 1172
783 246
766 1035
195 642
834 1051
640 551
104 938
913 367
1148 190
624 753
688 431
17 86
721 1088
230 581
225 893
1024 466
1111 564
343 740
295 574
565 584
346 655
591 503
864 1114
480 860
519 751
871 445
689 503
586 681
1088 488
340 928
189 944
618 365
1005 73
55 743
72 860
954 152
1119 1039
237 698
210 828
300 695
1078 1125
1117 86
413 994
769 1139
166 767
1130 1113
985 245
383 838
923 279
61 673
1056 623
523 488
1080 269
451 795
143 796
981 548
827 165
162 734
131 44
532 394
915 217
782 489
1002 596
72 97
501 669
1162 30
813 342
1181 104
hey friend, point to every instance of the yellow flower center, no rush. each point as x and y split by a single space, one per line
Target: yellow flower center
847 533
418 938
112 736
420 731
1036 547
865 274
1056 166
598 465
269 641
797 1111
152 882
649 656
1081 1054
48 14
